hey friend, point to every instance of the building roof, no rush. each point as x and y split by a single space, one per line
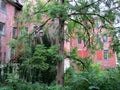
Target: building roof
15 3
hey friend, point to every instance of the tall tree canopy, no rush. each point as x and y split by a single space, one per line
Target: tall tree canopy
62 19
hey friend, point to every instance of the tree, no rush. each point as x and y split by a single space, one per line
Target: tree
66 18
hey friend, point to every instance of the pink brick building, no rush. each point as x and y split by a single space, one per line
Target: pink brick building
105 56
8 11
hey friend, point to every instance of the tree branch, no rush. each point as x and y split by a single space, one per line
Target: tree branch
78 22
89 5
88 41
40 9
39 28
79 13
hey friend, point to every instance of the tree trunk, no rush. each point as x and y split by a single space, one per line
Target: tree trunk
60 63
60 44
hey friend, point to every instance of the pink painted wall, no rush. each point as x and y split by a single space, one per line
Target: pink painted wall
98 57
110 63
9 20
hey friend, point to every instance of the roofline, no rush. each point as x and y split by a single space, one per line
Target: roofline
16 4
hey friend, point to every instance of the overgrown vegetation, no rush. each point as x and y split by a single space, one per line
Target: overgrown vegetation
91 79
94 79
39 71
68 19
34 66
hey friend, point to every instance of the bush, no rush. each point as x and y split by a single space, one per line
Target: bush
93 79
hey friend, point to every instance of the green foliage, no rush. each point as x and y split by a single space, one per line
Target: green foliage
94 79
36 61
35 86
74 54
21 45
116 44
57 10
82 63
118 56
79 15
39 58
52 51
41 64
11 78
6 88
13 43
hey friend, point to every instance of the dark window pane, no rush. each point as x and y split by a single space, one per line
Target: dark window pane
16 12
97 22
105 39
3 5
98 38
14 32
79 41
106 54
1 28
0 48
26 29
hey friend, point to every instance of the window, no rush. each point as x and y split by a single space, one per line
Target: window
35 34
79 40
2 5
14 32
26 29
35 30
106 54
2 28
98 38
0 54
97 22
4 57
16 12
105 39
0 46
85 42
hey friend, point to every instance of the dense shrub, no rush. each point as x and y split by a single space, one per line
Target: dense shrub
38 73
93 79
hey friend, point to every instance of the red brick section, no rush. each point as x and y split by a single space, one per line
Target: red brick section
99 54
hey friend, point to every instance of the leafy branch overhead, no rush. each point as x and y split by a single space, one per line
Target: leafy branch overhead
83 14
63 20
69 19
